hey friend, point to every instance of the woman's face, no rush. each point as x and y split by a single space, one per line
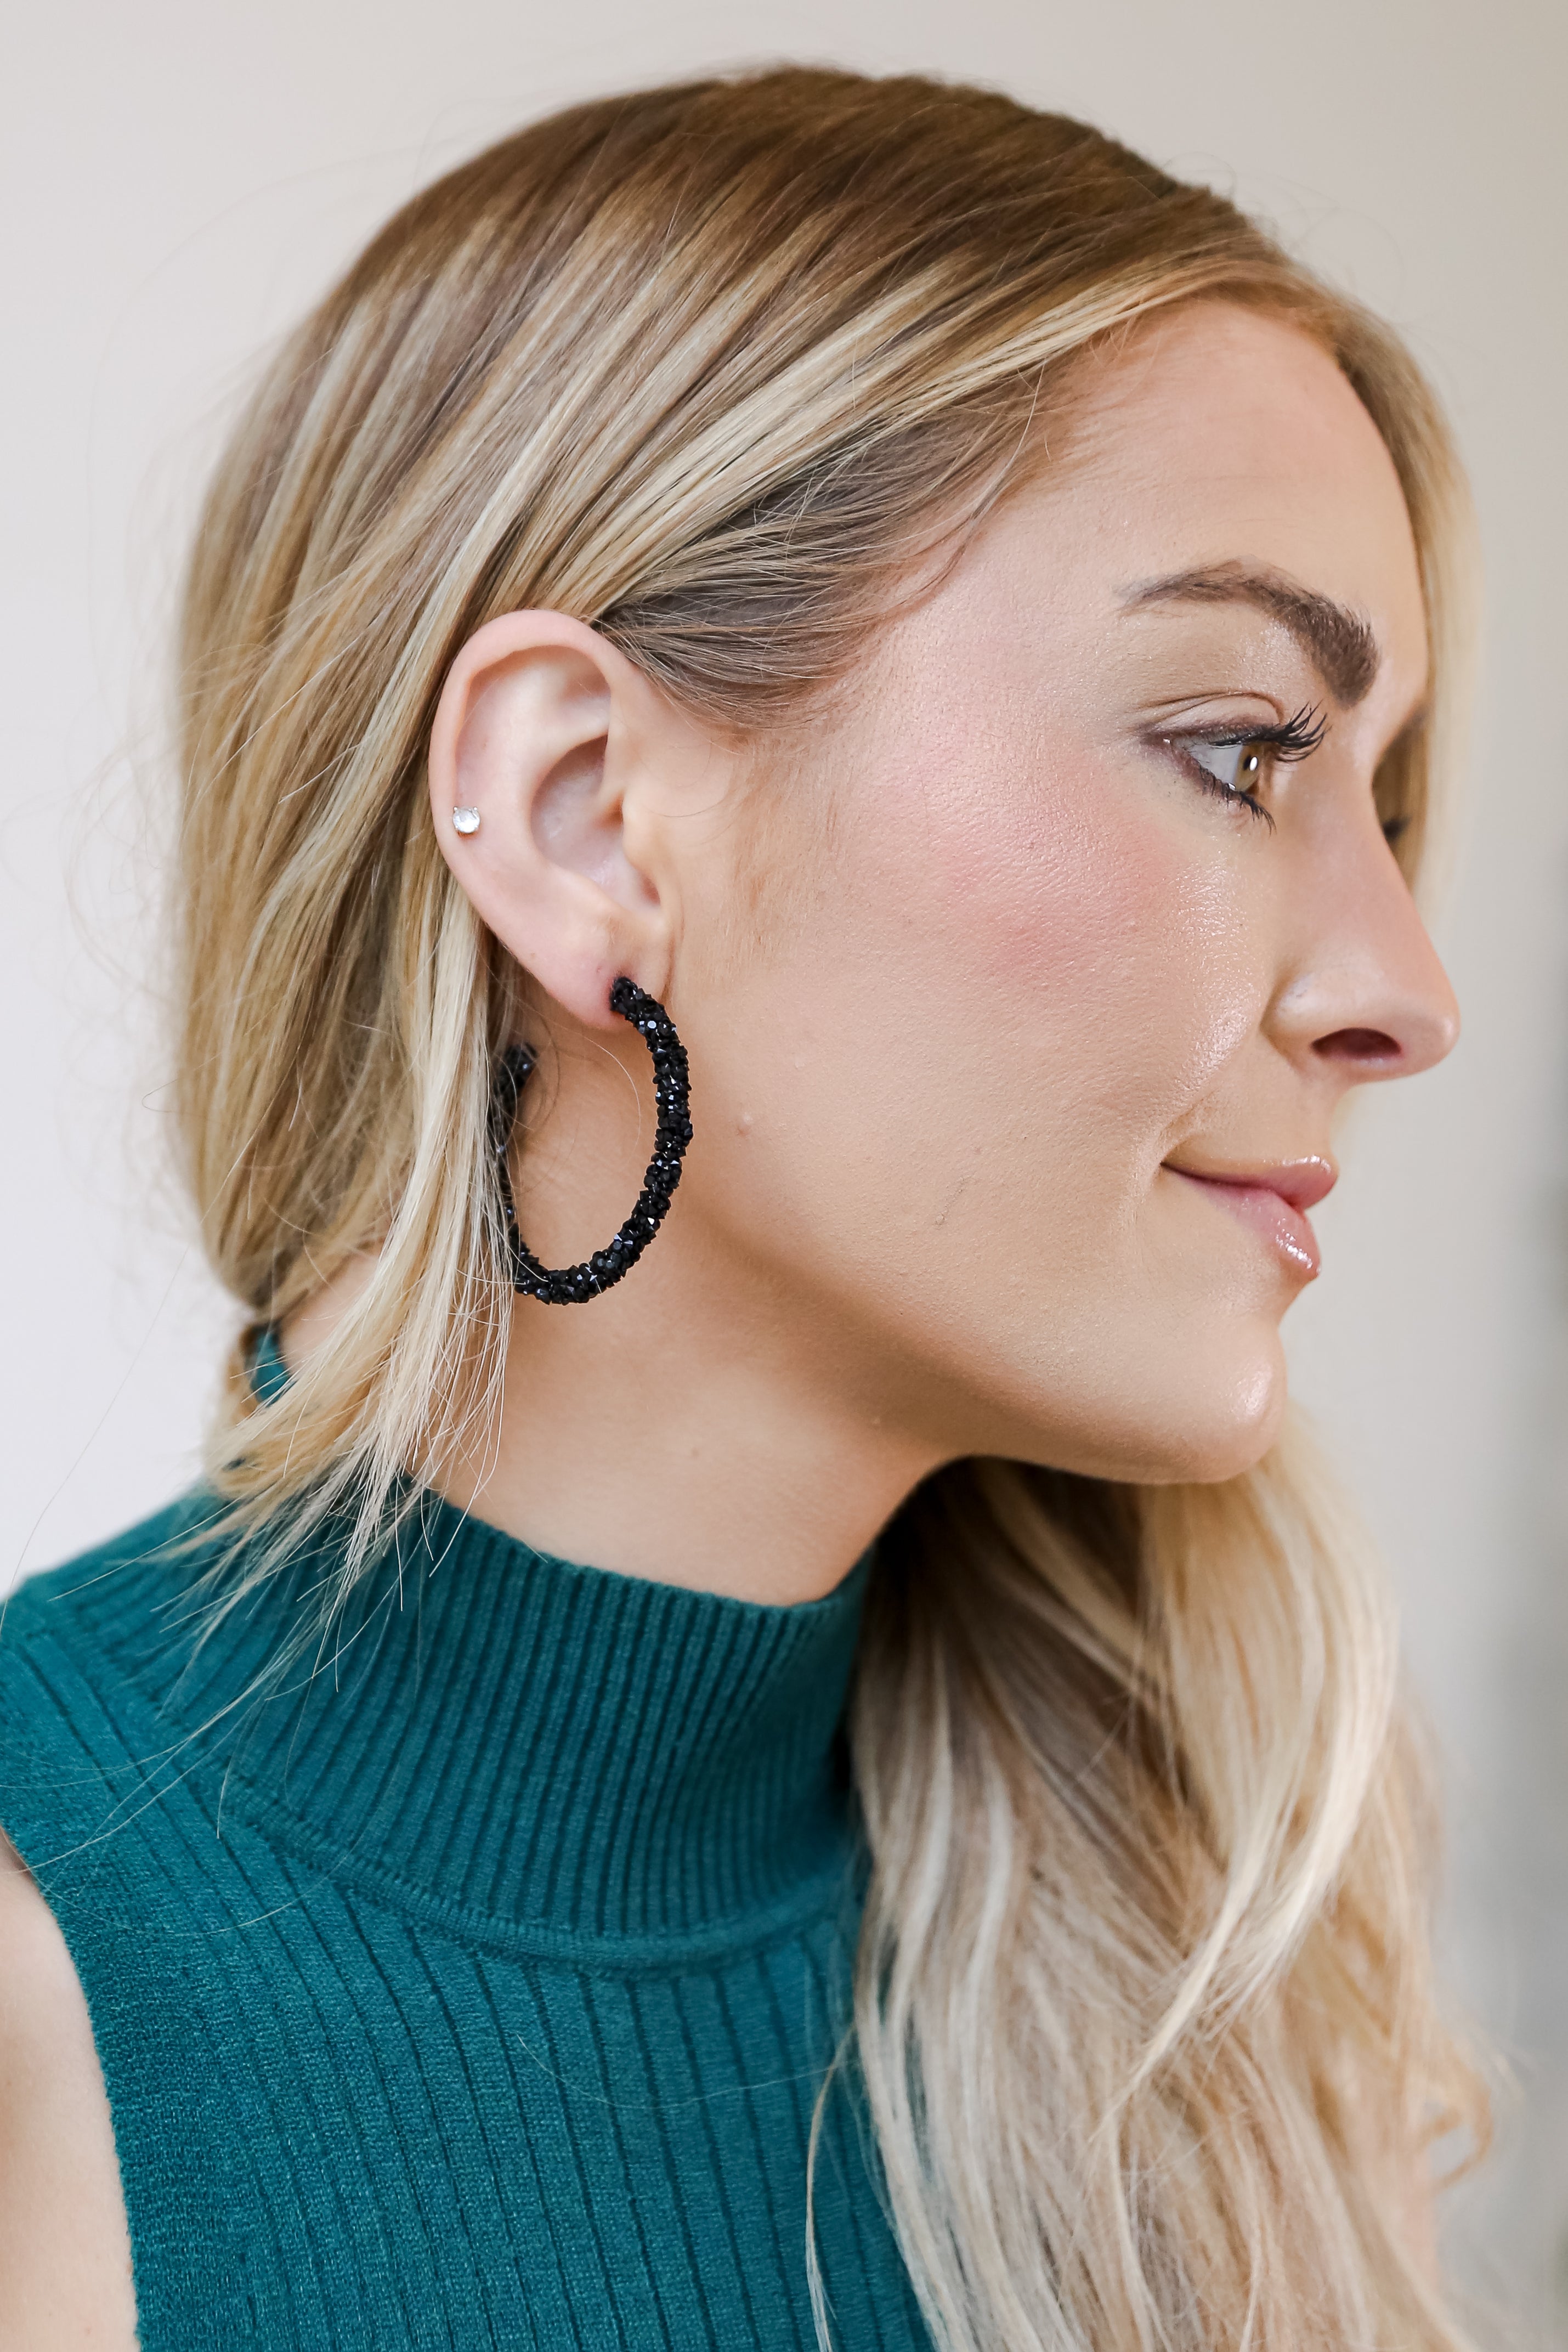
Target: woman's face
1018 1078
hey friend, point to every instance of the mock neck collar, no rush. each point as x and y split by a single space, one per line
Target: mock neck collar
560 1749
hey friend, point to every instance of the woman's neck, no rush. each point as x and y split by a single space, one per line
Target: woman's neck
686 1427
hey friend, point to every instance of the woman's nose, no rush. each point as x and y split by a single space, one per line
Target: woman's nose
1367 996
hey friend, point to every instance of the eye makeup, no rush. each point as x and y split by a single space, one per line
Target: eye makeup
1234 763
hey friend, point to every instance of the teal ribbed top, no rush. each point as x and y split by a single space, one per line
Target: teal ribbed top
476 1988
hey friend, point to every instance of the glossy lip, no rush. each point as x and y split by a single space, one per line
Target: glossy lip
1273 1201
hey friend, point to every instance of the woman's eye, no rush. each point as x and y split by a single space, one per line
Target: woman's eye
1238 769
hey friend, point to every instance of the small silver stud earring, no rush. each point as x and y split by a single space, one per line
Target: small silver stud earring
465 820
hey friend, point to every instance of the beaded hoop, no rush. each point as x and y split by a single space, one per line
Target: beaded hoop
570 1285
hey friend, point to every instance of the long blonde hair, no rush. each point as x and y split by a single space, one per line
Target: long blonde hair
1143 2008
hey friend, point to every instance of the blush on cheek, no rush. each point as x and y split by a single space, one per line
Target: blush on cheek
1042 882
1080 915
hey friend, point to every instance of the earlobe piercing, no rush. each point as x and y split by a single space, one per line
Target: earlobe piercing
465 820
569 1286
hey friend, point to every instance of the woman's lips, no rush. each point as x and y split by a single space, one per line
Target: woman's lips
1273 1201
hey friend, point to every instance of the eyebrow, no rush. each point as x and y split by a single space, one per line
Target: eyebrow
1339 644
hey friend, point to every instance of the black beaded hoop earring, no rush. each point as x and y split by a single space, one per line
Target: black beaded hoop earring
570 1285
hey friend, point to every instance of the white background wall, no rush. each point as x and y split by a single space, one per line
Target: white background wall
184 175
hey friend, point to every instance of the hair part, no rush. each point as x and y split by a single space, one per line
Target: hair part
1142 2009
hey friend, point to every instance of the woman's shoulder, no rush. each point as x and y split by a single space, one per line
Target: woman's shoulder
65 1679
76 1643
65 2252
112 1584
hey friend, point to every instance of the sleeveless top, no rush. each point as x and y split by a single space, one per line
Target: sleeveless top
475 1988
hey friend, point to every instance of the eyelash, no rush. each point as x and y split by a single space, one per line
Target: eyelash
1294 738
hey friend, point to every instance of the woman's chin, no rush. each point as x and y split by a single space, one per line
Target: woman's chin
1208 1415
1228 1414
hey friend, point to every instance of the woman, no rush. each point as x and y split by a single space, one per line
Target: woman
825 1771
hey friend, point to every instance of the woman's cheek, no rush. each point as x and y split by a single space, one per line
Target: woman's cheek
1092 917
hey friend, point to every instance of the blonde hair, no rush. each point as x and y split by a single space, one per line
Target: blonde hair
1143 2006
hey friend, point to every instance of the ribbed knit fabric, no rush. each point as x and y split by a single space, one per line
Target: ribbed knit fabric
475 1989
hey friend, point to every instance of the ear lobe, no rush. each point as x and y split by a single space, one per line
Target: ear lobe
537 730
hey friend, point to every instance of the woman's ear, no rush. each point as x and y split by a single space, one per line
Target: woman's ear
543 734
